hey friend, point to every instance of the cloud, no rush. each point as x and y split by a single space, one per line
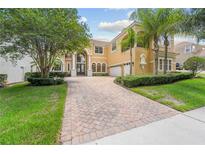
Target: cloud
83 19
115 26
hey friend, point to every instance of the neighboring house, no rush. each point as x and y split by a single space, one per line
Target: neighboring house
104 58
15 71
186 50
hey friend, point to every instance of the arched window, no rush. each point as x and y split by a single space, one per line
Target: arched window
57 67
98 67
94 67
103 67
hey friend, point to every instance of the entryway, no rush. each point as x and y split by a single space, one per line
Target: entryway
81 64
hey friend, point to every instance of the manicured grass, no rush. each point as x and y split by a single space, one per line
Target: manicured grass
31 115
183 95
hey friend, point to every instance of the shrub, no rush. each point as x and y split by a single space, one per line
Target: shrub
133 81
100 74
45 81
3 78
51 74
195 64
59 74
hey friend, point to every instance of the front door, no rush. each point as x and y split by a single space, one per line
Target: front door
81 67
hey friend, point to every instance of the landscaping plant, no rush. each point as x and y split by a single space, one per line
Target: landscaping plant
195 65
42 34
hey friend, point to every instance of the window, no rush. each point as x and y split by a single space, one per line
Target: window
114 46
103 67
57 66
98 67
99 50
170 65
68 67
188 49
160 64
94 67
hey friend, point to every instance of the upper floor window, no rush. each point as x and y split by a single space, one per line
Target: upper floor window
114 46
188 49
98 50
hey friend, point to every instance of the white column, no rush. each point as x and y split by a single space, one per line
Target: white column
89 72
73 71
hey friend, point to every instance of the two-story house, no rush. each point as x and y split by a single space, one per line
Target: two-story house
186 50
109 57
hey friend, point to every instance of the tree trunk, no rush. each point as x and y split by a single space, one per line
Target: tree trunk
131 60
44 72
166 44
156 49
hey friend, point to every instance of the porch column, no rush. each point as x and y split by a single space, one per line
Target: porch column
89 72
73 71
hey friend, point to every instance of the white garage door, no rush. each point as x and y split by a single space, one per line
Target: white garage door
115 71
126 70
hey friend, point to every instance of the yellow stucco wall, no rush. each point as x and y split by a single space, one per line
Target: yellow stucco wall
119 58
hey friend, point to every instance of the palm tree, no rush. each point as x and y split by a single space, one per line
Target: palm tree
150 20
128 43
171 21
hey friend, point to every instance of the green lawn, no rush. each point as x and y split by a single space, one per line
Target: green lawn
183 95
31 115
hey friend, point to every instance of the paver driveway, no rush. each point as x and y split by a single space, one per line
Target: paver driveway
96 107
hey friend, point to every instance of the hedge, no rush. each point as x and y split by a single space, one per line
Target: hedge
134 81
45 81
100 74
3 77
51 74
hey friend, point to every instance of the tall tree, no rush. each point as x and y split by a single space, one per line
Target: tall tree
128 43
42 34
194 24
149 20
171 21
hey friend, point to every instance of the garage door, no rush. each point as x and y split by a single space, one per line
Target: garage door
115 71
126 70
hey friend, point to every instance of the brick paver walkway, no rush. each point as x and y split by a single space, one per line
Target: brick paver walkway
96 107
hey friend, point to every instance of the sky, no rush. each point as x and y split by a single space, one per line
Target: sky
105 24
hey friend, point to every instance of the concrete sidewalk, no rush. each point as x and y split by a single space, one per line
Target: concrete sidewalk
185 128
